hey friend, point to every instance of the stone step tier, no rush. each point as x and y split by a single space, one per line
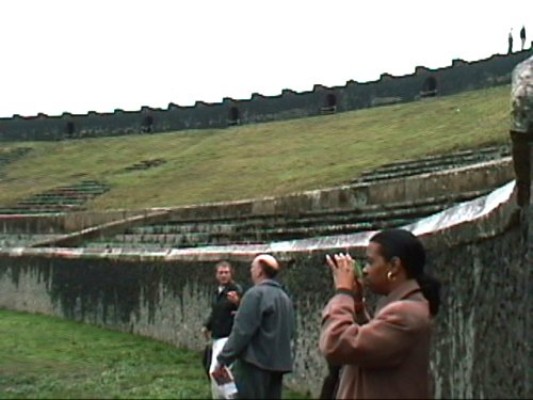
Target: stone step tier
23 240
433 164
12 155
269 228
61 199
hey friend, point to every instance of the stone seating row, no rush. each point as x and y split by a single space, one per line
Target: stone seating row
15 240
10 156
253 236
403 210
268 228
434 164
65 198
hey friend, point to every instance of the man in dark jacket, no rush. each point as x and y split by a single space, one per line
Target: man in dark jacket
262 334
224 304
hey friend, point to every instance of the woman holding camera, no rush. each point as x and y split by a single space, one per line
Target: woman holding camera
387 355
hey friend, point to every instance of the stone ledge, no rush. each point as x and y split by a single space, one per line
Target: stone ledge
468 221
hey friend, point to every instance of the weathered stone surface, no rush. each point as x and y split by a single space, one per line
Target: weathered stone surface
522 136
522 130
481 339
482 335
522 96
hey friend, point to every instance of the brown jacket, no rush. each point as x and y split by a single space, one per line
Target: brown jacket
387 358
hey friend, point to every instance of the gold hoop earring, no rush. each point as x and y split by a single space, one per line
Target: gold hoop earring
389 276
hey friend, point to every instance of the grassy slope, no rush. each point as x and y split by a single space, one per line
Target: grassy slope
43 357
262 159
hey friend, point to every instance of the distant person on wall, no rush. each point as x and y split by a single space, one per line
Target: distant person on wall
261 337
510 42
389 356
224 303
523 36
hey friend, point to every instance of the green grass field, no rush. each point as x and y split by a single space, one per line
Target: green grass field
44 357
262 159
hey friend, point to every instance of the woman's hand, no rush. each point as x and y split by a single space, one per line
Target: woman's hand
343 269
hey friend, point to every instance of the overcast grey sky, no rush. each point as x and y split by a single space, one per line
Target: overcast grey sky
82 55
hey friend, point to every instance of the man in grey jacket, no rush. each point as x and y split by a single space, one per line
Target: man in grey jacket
261 337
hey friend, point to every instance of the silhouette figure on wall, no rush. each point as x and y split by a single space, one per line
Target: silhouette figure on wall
330 104
234 117
510 40
429 88
147 123
523 36
69 129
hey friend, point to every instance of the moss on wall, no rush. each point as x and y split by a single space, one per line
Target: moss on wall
481 334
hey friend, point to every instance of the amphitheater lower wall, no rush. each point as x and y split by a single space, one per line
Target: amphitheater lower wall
481 346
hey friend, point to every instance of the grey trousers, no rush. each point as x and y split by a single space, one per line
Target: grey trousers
256 383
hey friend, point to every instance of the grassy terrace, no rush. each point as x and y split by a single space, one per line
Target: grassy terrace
262 159
43 357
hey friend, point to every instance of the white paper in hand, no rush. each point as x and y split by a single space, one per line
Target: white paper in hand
225 383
